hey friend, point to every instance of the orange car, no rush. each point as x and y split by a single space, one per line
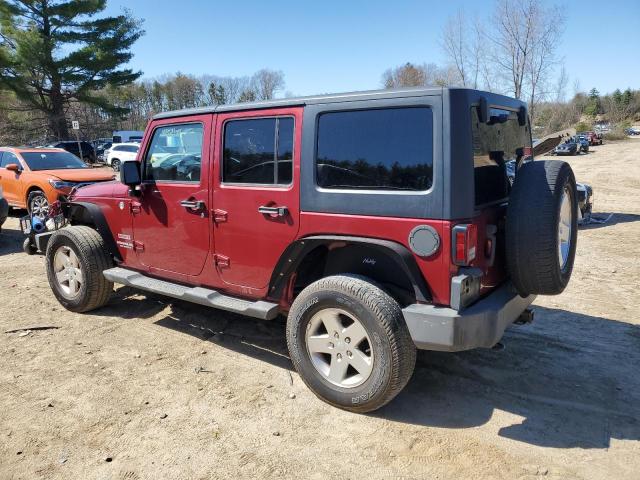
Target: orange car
33 178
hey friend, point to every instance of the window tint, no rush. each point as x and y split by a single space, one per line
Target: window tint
7 158
175 153
254 153
52 160
494 144
385 149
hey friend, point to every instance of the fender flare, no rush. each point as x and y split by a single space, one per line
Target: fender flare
100 223
402 258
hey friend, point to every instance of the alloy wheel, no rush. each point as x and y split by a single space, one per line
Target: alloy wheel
339 347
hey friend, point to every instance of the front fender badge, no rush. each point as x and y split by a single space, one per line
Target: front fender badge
424 241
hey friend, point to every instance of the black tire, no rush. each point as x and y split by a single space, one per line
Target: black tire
115 164
35 200
88 246
532 230
393 352
28 247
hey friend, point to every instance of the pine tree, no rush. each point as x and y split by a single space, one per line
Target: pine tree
53 52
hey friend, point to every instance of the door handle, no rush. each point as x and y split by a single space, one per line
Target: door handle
273 211
193 204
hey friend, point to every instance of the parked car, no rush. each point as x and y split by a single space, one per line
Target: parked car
632 131
583 143
33 178
88 153
585 194
101 149
382 223
4 209
593 137
121 152
568 147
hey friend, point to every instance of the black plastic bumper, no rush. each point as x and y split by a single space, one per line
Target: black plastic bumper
480 325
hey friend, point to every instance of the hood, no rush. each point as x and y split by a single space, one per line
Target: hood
80 174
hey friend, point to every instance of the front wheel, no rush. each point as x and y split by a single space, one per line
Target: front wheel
115 164
76 258
348 340
38 205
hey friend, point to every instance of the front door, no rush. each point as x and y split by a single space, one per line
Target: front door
256 193
170 218
11 185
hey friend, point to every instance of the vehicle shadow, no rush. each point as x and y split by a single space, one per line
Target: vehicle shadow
610 219
571 378
10 240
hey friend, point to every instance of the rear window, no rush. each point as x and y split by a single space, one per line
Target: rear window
381 149
495 143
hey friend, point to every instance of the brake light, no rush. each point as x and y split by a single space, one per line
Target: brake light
465 238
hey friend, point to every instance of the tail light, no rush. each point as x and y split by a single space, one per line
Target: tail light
464 240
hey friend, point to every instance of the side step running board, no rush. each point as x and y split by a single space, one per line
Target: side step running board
202 296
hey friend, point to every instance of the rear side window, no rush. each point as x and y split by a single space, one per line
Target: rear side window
175 153
258 151
382 149
495 143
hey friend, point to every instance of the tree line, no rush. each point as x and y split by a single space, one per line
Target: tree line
63 60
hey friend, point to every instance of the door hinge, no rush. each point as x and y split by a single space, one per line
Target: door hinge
221 260
138 246
219 216
135 207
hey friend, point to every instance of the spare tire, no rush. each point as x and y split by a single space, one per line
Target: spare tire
542 227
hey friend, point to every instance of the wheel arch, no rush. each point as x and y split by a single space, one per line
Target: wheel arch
85 213
311 258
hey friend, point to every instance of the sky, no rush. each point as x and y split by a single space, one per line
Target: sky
328 46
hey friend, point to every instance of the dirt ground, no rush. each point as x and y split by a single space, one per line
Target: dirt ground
149 388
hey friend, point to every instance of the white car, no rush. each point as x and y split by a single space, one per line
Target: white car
121 152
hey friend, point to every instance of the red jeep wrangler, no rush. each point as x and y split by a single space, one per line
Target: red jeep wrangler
378 222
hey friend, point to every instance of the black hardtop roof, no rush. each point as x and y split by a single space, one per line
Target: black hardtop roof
309 100
339 97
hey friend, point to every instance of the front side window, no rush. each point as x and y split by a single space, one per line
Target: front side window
7 158
175 153
258 151
382 149
495 143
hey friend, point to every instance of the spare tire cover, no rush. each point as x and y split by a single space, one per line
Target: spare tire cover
542 227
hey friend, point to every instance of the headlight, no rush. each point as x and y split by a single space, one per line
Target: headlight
62 185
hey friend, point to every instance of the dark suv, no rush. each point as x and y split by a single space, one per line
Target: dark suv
88 153
377 222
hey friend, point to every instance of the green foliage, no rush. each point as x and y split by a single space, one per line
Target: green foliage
583 127
54 52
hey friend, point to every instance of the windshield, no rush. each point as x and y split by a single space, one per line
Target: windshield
52 160
495 143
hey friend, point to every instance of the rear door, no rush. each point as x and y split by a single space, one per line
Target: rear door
170 219
256 193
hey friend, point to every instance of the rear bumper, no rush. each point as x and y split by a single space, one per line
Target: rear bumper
480 325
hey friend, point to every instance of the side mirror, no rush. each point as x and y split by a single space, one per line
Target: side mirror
14 167
130 174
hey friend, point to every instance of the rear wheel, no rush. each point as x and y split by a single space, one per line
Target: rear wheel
76 258
348 341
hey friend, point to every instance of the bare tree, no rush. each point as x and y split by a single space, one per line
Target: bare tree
523 39
462 44
266 83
